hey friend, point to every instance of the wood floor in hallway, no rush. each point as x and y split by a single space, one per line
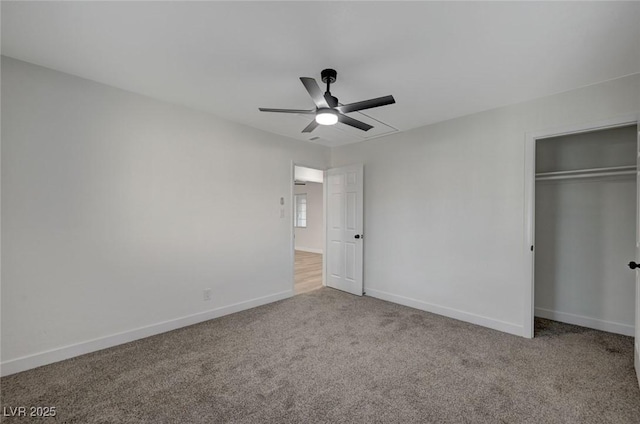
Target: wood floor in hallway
308 271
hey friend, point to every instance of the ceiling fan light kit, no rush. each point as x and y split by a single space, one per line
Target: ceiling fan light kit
328 111
326 117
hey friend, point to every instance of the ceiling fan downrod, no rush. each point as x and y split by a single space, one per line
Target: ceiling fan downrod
329 76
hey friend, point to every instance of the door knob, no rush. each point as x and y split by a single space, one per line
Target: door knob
357 236
633 265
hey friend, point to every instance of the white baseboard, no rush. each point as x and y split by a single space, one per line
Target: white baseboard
495 324
309 249
636 360
54 355
596 324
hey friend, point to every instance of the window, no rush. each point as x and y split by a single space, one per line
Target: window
300 212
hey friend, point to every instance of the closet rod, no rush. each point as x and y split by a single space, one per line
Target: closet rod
588 170
579 176
587 173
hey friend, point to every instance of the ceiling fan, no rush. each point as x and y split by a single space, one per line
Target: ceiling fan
328 111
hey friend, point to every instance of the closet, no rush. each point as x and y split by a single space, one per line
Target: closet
585 220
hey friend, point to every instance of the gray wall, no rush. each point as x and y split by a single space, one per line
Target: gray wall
585 232
445 205
119 210
311 238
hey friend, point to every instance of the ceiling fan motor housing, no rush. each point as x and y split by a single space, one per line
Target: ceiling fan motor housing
329 75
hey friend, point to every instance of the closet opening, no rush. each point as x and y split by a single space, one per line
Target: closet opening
585 229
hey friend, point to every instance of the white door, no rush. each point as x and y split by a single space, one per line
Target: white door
344 229
637 339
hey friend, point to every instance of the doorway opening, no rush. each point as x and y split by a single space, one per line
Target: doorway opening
308 229
583 194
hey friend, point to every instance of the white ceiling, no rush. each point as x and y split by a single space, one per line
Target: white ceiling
439 60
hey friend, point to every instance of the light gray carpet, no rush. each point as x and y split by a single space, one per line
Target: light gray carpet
330 357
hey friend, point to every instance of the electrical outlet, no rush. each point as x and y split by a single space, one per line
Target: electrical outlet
206 294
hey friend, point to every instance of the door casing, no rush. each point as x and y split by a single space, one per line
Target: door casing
292 252
529 218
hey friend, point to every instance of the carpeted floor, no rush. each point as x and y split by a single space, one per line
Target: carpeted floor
329 357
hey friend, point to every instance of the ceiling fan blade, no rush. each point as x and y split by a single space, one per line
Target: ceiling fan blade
331 101
366 104
353 122
314 91
266 109
312 126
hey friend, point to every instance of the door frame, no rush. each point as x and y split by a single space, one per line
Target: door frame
529 201
292 229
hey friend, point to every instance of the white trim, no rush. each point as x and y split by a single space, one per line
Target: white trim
58 354
636 360
292 229
483 321
596 324
529 201
325 192
309 249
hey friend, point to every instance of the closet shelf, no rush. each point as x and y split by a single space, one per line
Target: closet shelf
587 173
